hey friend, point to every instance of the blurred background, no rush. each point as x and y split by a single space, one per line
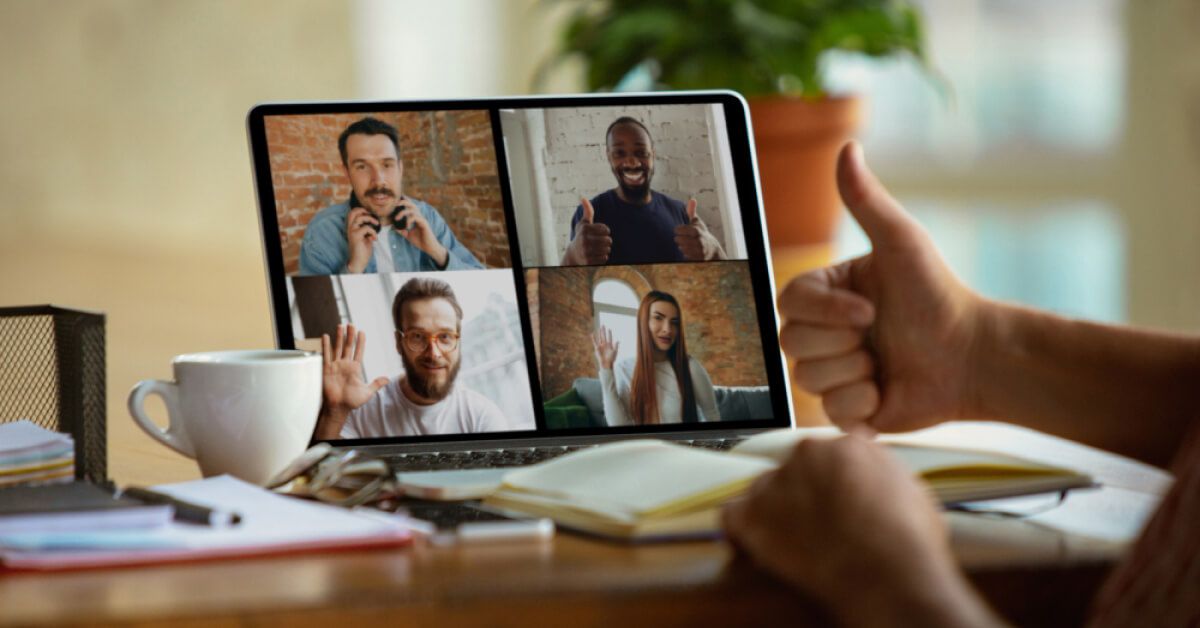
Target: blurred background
1060 167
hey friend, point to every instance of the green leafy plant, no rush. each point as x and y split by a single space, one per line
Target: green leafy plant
757 47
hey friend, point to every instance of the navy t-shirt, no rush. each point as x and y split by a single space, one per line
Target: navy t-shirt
641 234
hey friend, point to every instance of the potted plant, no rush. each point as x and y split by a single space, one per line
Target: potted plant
770 51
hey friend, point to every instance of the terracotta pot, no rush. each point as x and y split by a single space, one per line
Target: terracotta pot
798 142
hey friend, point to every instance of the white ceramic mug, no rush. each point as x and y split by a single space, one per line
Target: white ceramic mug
245 413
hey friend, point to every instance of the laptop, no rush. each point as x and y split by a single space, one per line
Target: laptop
524 276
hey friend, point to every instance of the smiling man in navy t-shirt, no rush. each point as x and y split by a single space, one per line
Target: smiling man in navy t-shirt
632 224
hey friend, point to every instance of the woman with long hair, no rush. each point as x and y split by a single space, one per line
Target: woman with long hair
661 383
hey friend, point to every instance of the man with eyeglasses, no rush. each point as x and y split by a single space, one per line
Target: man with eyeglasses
424 400
631 223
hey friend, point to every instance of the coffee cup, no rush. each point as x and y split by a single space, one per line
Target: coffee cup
245 413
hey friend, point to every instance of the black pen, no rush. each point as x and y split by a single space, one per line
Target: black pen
184 511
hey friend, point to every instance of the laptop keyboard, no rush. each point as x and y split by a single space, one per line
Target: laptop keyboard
515 457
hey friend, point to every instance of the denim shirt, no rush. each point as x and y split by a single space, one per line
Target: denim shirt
325 251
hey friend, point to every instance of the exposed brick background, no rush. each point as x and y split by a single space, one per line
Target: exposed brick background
449 162
532 297
719 319
577 164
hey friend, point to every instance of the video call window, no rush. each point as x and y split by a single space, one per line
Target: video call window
481 368
636 184
387 192
595 325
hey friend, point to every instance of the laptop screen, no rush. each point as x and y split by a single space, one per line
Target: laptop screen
522 267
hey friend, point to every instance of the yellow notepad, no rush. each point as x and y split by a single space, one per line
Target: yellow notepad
644 489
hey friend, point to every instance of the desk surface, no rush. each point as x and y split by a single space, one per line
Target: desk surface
1030 571
569 579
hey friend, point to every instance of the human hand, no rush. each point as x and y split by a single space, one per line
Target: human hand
418 232
362 228
592 242
695 240
845 522
606 349
886 339
342 385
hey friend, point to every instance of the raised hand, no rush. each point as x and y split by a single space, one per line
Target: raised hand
592 243
418 232
362 229
606 349
343 387
694 239
886 338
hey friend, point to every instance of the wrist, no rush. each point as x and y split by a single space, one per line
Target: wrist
330 422
441 256
1002 351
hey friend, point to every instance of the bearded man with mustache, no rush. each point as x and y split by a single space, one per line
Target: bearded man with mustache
425 399
631 223
378 229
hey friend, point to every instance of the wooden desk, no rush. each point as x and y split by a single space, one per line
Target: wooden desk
567 581
1033 574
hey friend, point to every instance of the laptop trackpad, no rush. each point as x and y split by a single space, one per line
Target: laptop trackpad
452 484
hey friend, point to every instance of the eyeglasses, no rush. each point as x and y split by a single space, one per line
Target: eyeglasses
345 478
418 341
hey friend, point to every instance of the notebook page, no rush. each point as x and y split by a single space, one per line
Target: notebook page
640 477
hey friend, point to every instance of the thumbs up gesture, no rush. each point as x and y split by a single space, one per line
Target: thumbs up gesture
694 239
592 242
886 339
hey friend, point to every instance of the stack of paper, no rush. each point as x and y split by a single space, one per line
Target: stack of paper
30 454
270 524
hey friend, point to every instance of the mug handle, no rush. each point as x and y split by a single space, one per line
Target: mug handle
174 436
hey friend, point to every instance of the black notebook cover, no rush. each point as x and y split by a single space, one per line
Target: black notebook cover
73 506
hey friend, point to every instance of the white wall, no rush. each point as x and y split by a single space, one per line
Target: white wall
571 161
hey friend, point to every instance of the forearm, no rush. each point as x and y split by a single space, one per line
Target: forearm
614 409
1126 390
930 596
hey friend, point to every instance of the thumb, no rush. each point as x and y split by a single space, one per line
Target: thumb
691 211
588 212
881 216
377 383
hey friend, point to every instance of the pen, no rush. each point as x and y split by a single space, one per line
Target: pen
184 511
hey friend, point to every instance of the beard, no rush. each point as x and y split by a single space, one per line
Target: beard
634 191
423 386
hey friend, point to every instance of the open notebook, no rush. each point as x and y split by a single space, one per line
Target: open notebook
646 489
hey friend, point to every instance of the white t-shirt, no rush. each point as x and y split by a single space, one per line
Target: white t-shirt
390 413
382 249
615 388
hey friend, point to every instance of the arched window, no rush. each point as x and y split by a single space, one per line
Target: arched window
616 306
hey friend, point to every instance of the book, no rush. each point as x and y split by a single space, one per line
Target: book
271 524
74 506
653 489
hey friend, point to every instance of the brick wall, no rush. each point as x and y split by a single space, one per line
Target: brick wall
576 163
719 317
531 296
449 162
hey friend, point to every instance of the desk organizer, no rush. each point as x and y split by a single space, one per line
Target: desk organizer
52 373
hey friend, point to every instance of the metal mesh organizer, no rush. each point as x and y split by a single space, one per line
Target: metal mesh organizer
52 373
